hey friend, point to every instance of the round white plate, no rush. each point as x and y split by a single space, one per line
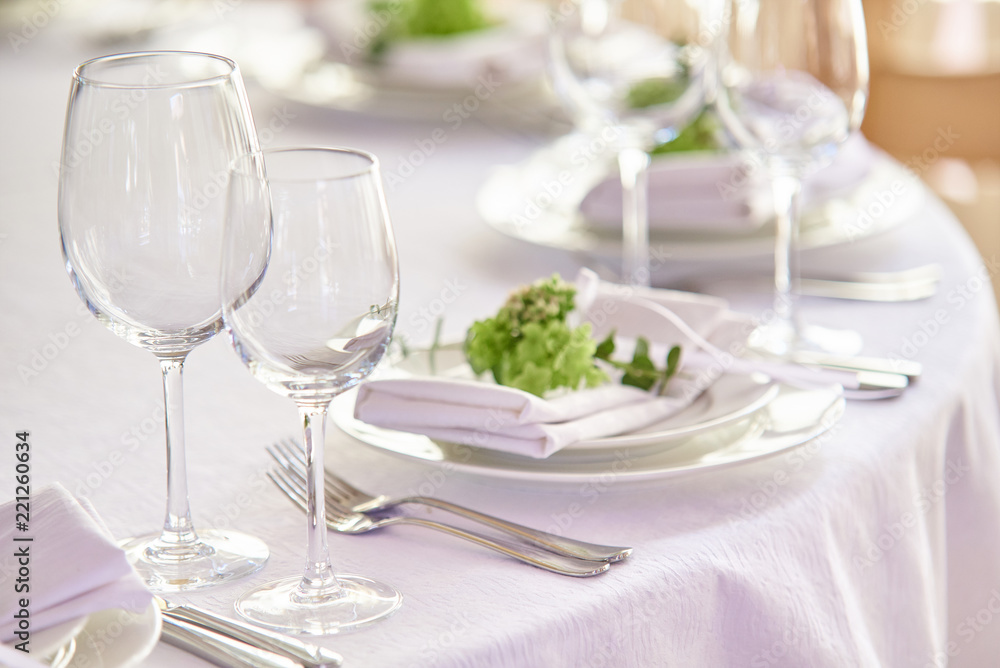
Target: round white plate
793 418
47 643
117 638
536 201
728 400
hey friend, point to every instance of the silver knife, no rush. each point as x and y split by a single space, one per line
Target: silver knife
308 654
908 368
219 649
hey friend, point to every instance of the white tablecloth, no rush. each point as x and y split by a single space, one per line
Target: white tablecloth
878 546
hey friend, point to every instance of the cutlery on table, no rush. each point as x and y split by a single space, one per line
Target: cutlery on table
220 649
881 286
304 653
344 520
908 368
345 494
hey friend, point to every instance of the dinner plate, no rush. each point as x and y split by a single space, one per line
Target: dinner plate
793 418
729 399
537 201
57 644
117 638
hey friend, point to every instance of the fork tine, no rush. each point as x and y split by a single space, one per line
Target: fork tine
293 450
287 488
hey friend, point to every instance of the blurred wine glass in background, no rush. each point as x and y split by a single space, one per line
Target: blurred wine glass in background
792 87
636 67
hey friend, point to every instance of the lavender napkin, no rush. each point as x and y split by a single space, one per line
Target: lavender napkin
73 566
705 192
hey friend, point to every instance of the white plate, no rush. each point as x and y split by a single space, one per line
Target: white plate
117 638
728 400
532 202
793 418
54 641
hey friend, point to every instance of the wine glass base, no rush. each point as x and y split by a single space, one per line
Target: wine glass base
217 557
359 601
782 339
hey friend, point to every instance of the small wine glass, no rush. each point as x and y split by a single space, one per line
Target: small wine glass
148 141
636 67
792 87
310 316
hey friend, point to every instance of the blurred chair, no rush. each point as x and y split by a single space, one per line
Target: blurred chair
935 102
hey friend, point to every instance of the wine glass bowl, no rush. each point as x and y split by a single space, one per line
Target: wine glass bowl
638 67
792 86
310 316
148 139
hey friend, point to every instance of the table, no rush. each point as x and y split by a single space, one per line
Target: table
876 546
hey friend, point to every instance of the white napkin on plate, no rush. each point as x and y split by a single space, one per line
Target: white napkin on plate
512 50
487 415
511 420
74 569
701 191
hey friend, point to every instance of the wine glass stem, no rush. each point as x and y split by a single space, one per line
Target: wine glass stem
633 167
319 581
178 530
786 190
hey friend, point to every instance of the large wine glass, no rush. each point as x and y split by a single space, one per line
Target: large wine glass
633 71
148 141
311 316
792 86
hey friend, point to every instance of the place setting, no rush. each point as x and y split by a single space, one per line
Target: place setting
695 149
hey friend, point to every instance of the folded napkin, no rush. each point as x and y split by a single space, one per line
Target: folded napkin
511 50
74 566
723 192
487 415
507 419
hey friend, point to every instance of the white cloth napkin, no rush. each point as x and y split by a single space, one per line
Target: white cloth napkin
74 568
507 419
486 415
723 193
511 50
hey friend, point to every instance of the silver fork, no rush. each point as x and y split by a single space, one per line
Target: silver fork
347 495
344 520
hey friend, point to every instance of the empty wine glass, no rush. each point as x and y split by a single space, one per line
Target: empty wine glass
311 315
792 86
147 145
636 67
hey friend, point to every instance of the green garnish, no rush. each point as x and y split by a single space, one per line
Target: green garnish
701 134
641 372
654 92
529 345
424 18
